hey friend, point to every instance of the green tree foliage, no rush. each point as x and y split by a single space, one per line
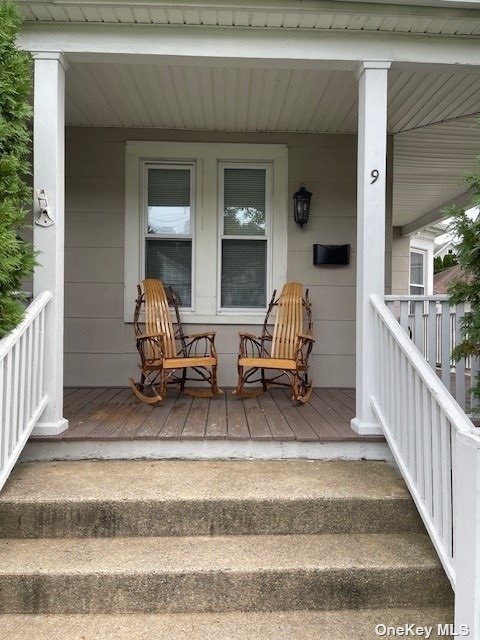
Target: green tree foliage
449 260
17 258
440 264
467 287
437 264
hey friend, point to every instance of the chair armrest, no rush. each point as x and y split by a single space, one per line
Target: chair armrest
193 346
305 337
149 336
250 336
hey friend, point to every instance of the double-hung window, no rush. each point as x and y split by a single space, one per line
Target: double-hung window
169 222
244 235
417 273
210 221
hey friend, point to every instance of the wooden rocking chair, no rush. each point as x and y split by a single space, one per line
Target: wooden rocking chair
289 345
164 351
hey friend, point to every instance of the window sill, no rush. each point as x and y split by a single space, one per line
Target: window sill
188 317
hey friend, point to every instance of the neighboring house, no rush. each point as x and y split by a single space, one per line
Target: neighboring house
170 138
446 248
422 254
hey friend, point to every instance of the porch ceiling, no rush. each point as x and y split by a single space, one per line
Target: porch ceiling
429 164
430 111
256 99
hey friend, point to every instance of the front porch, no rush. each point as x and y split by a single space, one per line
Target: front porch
114 414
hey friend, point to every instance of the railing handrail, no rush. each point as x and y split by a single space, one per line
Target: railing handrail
460 422
32 312
440 297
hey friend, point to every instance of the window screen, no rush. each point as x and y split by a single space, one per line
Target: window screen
244 202
244 266
244 239
417 275
168 243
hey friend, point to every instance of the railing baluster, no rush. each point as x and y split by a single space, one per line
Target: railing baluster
15 399
447 498
3 431
460 365
8 406
432 334
36 353
419 435
412 463
404 315
446 346
427 449
436 468
418 324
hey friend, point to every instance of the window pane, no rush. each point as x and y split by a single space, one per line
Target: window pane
171 262
416 291
244 202
416 268
168 201
244 273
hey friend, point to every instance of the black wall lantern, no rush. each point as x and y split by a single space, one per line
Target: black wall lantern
301 209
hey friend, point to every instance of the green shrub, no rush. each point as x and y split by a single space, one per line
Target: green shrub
17 258
467 287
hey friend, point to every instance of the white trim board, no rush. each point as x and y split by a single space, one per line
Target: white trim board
247 47
206 156
205 450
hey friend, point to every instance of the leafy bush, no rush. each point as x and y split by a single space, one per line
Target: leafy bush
467 287
17 258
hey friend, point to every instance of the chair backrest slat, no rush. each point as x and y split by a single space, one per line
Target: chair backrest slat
157 314
288 321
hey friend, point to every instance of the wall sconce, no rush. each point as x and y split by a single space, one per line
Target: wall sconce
301 210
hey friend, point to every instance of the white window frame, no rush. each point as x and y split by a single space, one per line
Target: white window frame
205 268
424 271
266 237
146 164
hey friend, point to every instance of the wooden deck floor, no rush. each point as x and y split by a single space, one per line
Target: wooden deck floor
115 414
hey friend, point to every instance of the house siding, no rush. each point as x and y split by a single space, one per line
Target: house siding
99 346
400 263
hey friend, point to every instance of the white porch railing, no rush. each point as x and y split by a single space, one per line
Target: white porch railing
434 325
437 449
22 397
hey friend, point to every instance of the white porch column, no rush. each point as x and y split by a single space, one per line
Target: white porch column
49 174
371 190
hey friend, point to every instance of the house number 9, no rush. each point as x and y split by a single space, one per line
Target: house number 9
374 175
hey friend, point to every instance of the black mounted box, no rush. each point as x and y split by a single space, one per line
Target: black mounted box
331 254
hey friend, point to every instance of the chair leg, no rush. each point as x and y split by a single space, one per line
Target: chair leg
215 390
301 388
238 391
264 381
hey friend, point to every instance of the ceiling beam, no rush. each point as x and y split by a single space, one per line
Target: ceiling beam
245 46
436 214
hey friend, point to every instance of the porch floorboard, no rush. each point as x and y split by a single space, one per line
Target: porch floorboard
113 413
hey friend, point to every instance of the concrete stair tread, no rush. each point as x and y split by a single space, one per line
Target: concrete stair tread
201 554
180 480
288 625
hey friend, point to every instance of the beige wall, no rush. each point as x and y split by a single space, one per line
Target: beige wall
400 262
99 346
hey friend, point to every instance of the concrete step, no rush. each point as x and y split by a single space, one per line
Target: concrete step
163 498
223 573
290 625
